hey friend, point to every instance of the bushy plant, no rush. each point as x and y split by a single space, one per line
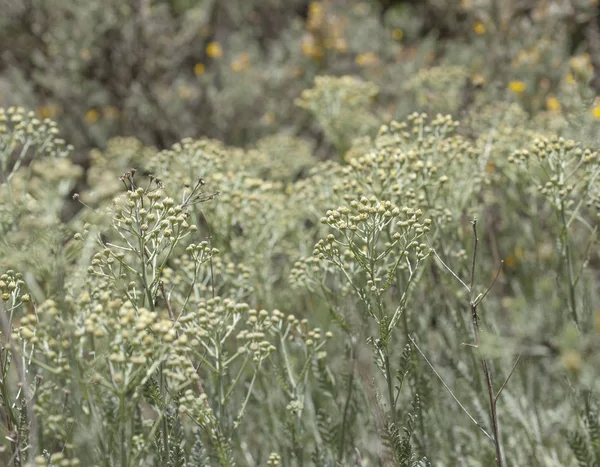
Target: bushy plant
309 233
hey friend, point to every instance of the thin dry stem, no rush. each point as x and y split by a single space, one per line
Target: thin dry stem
199 386
484 363
477 424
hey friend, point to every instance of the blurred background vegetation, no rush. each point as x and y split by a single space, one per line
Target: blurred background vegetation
163 70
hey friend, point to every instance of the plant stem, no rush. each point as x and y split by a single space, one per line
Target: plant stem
347 406
565 240
490 389
484 363
122 429
143 273
165 422
390 386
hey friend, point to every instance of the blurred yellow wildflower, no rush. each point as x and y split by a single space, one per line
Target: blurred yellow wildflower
553 104
240 63
110 112
517 87
184 92
199 69
479 28
311 49
596 111
85 54
512 260
478 79
571 79
268 118
581 63
366 59
581 67
336 43
397 34
316 16
571 360
48 111
214 50
340 44
92 116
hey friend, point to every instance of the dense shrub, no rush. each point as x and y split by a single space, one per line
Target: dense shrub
329 233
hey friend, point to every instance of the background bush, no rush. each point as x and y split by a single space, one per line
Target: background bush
299 233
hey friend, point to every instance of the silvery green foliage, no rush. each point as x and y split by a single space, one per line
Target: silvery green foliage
168 331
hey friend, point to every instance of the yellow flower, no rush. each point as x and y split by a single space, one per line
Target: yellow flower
184 92
111 112
553 104
199 69
572 361
517 87
479 28
48 111
580 63
92 116
512 260
596 111
571 79
340 44
311 49
214 50
316 16
268 118
581 67
241 63
236 66
397 34
366 59
307 48
478 80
